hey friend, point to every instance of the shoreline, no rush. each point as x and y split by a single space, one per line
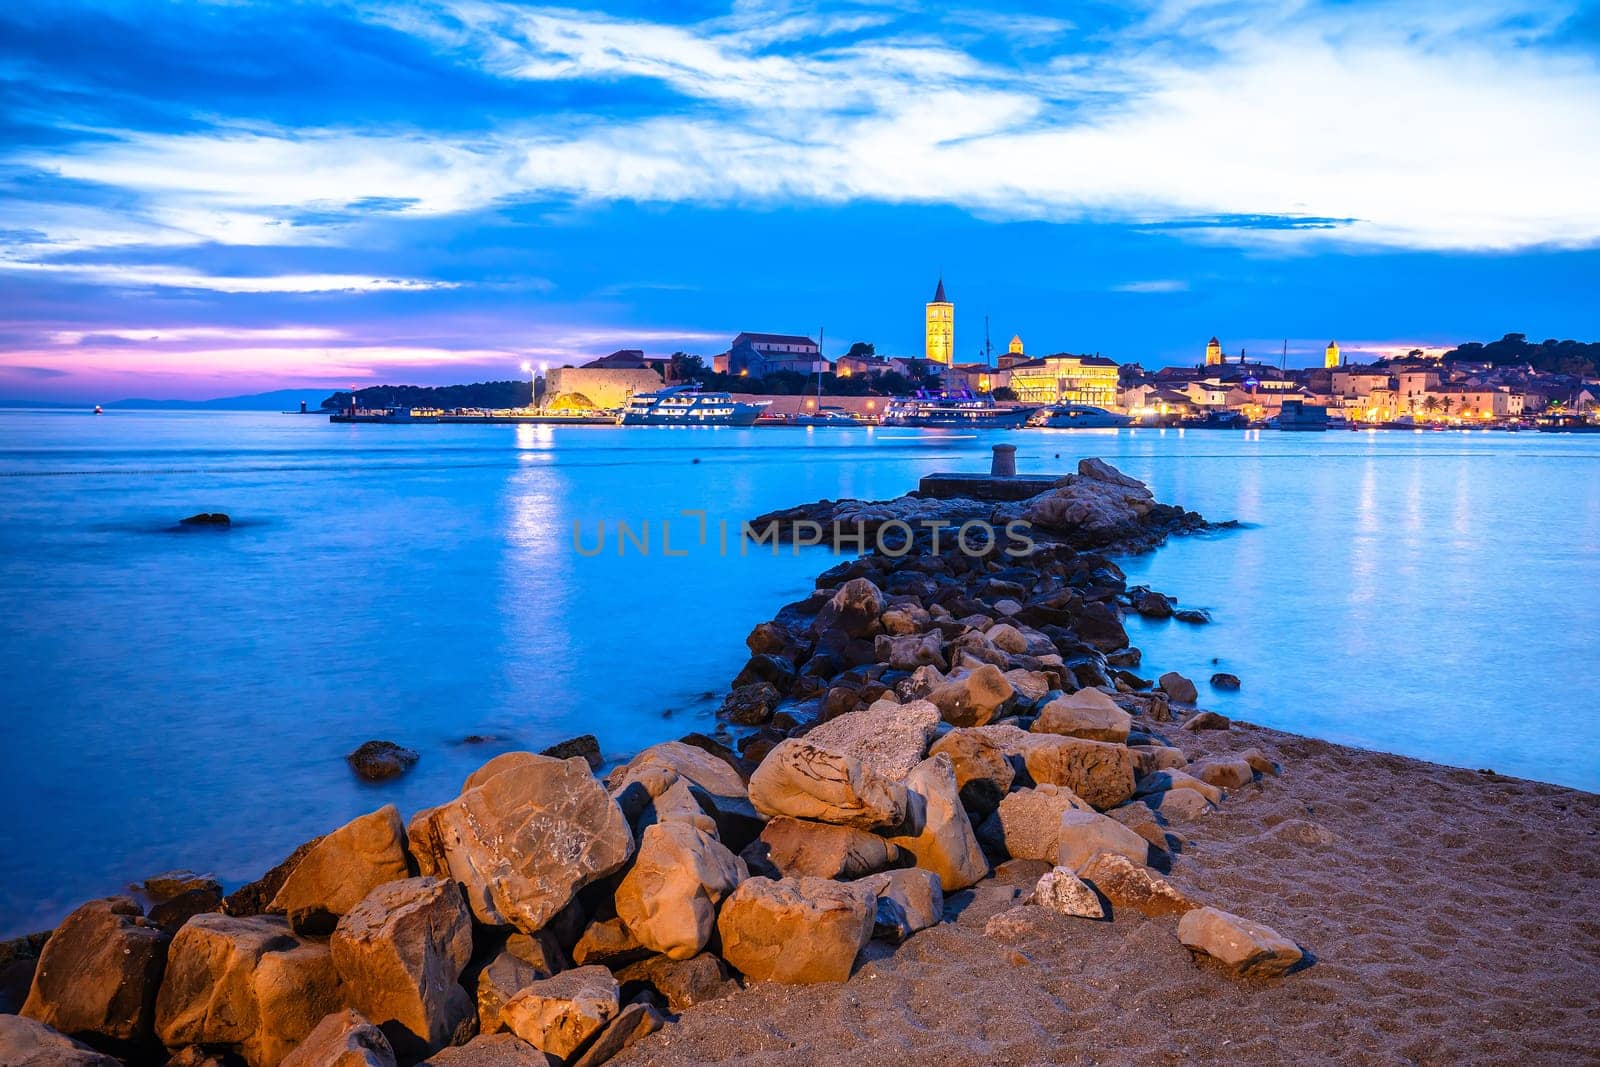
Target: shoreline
861 674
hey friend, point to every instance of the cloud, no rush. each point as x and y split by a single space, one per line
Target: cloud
1165 285
163 277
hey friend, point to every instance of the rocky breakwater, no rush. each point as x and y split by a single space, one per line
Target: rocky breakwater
916 721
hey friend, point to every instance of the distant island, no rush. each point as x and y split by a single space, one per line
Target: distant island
1575 358
495 395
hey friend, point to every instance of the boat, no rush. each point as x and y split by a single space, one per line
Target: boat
98 410
1079 417
1565 424
1217 420
387 415
837 418
953 410
686 405
1298 415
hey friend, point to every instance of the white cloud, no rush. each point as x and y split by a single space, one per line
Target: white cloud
1164 285
164 277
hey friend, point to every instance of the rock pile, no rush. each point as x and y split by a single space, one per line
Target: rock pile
913 722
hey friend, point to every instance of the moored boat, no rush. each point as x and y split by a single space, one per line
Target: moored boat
946 410
686 405
1079 417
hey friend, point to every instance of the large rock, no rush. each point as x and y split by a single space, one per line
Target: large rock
341 869
343 1039
946 844
1060 890
669 897
1099 627
887 737
1244 947
1086 834
1223 773
377 761
1100 772
854 610
908 652
684 983
700 768
560 1015
804 781
508 973
400 953
632 1023
524 840
1027 824
750 704
1178 687
798 849
796 930
983 771
30 1043
973 697
99 972
1130 884
1100 501
909 900
247 984
1088 713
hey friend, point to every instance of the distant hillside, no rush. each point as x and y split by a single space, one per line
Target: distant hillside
513 394
1553 357
277 400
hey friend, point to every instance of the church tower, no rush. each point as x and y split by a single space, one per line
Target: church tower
1330 358
940 334
1016 345
1213 353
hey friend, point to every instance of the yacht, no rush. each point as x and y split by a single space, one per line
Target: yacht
837 418
1080 417
686 405
948 410
1298 415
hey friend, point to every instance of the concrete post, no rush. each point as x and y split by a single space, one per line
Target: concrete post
1005 462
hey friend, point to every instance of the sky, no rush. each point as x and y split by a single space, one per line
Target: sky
203 199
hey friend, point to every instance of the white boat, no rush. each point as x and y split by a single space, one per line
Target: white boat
686 405
1081 417
835 417
953 411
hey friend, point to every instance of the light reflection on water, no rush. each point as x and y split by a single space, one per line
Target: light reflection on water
184 699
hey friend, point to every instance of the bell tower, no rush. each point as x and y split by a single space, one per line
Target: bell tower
940 327
1213 353
1330 357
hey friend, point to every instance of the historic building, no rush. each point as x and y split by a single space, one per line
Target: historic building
940 328
1015 348
1330 357
1213 353
1066 379
756 355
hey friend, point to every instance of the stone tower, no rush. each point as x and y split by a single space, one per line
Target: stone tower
1330 358
1016 345
1213 353
940 332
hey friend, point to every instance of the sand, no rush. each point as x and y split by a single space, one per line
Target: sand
1452 916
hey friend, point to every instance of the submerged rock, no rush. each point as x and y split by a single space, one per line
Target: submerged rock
207 518
378 761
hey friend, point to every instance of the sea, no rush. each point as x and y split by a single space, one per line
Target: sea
176 696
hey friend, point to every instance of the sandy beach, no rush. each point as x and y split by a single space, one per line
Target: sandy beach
1450 916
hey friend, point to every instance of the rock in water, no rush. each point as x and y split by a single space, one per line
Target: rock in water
99 973
343 1039
946 844
751 704
247 984
559 1015
887 737
796 930
29 1043
669 898
803 781
1178 687
1244 947
341 869
1223 680
524 838
400 953
207 518
1063 891
378 761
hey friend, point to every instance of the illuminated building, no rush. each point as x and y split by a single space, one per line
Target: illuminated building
1213 353
1330 357
1066 379
940 331
1016 345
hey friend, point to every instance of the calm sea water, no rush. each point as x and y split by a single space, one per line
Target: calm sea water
185 698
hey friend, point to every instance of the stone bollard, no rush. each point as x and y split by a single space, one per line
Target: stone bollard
1005 462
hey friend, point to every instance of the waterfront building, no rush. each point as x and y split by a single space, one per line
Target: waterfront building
622 359
939 328
594 387
755 355
1330 355
1066 379
976 377
1213 353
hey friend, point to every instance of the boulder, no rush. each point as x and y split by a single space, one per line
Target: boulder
1027 824
98 974
1259 761
772 670
887 737
1088 713
773 639
804 781
751 704
609 943
983 773
400 953
1223 773
1086 834
1207 720
506 975
343 1039
1178 688
1166 781
911 651
173 912
1100 772
253 898
684 983
946 844
1193 616
378 761
797 848
524 840
632 1023
585 745
1062 891
247 984
1029 687
903 619
669 898
168 884
1243 947
854 610
1152 605
560 1015
796 930
972 697
908 900
1130 884
491 1050
1179 805
921 682
27 1042
341 869
1142 819
702 769
1223 680
1098 626
1088 504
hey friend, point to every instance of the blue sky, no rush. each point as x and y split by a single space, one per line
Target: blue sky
202 199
